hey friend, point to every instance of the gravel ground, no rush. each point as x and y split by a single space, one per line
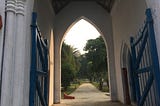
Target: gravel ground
88 95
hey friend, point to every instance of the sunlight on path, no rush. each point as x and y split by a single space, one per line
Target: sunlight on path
88 95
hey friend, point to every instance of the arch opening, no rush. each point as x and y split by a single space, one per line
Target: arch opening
86 20
102 22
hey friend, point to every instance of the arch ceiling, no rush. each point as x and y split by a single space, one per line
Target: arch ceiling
58 5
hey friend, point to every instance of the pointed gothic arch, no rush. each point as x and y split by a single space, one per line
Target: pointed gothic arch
107 37
90 22
94 25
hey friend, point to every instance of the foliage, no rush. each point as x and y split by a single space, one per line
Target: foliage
82 74
67 74
69 64
92 65
104 89
96 57
70 89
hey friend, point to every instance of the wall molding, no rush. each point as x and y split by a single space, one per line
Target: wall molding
10 6
20 7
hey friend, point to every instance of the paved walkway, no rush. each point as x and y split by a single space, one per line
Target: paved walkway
88 95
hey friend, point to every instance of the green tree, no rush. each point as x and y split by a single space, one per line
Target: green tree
69 64
83 68
97 59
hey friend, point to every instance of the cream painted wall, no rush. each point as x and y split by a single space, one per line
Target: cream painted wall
51 68
127 18
98 17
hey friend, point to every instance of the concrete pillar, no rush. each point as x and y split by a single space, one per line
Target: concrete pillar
19 56
8 63
57 73
27 32
112 73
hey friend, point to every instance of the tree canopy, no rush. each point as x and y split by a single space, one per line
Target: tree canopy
69 64
96 59
91 65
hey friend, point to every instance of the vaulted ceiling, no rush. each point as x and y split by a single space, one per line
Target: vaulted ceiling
58 5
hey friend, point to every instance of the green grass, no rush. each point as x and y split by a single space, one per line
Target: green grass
70 89
81 81
95 84
104 89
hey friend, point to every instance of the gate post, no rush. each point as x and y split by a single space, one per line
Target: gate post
1 24
8 54
33 61
19 85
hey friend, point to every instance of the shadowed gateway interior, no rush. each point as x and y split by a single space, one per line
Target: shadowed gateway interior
58 5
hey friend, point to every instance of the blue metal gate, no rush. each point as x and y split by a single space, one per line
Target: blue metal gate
39 67
145 71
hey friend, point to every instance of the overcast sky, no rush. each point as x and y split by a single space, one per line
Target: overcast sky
78 35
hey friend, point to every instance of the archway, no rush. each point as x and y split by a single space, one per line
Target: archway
129 16
76 38
102 21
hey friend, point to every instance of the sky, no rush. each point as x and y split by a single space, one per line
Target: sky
78 35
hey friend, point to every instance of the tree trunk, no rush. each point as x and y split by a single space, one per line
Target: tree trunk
101 85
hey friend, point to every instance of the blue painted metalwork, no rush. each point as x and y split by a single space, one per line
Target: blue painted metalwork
46 70
145 69
146 90
33 61
39 67
131 80
154 55
135 76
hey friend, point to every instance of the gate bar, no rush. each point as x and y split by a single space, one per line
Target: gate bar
33 61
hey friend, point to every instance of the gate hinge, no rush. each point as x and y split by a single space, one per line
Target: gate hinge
1 24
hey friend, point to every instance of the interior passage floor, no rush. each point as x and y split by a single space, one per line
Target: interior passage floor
88 95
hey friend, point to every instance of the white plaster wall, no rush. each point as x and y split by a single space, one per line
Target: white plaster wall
27 32
101 19
127 18
45 16
45 23
8 62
